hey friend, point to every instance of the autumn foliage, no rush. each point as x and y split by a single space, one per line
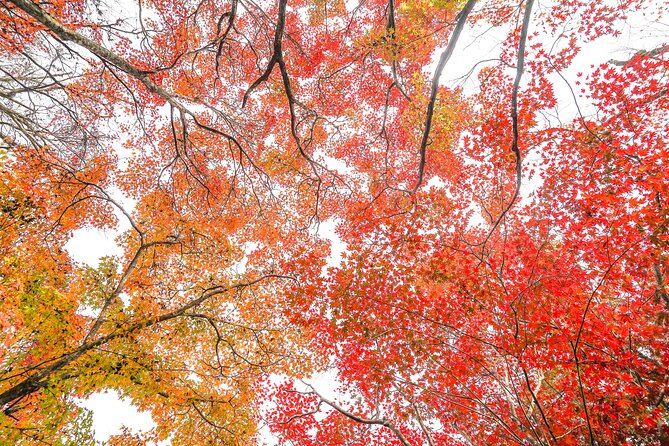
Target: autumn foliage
505 253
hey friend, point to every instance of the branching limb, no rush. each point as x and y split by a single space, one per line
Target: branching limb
120 286
64 33
575 345
109 57
651 54
443 59
422 425
276 54
391 30
536 401
40 379
369 421
520 67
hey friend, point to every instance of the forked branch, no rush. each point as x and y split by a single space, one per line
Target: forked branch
276 51
369 421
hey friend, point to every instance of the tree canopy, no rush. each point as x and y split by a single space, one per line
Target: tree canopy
503 278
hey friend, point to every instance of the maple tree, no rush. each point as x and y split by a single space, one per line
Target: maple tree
504 277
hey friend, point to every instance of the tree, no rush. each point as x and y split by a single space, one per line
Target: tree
504 274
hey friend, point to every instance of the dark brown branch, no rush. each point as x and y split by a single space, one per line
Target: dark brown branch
443 59
369 421
107 56
391 31
67 34
579 334
114 296
520 67
581 390
40 379
231 15
661 287
541 411
276 54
